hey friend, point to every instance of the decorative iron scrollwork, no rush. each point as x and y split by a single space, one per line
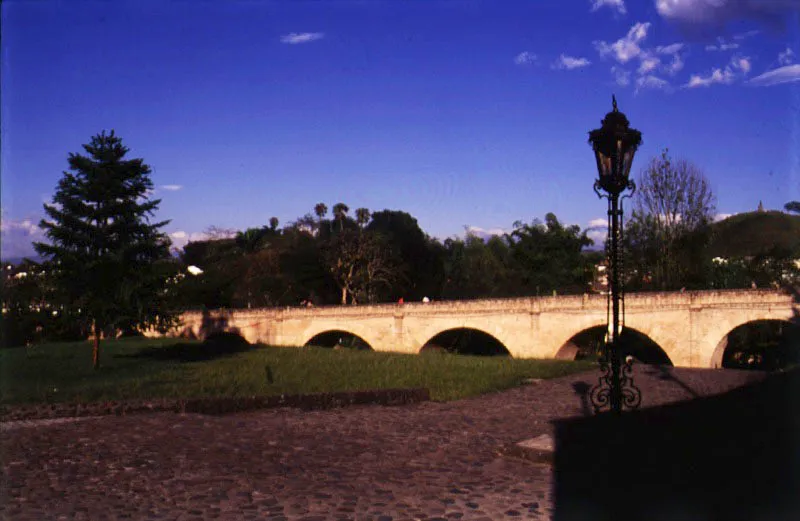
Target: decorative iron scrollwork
631 395
601 393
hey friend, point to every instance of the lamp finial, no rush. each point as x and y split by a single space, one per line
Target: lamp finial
614 102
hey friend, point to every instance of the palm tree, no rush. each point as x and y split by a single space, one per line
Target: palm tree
321 209
273 223
362 216
339 213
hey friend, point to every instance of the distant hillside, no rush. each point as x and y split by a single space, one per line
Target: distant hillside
18 260
755 233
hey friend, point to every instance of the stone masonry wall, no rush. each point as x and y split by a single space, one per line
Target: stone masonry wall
690 327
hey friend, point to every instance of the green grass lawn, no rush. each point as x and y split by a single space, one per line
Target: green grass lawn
136 368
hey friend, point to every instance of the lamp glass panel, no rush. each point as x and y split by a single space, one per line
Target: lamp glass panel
603 164
628 161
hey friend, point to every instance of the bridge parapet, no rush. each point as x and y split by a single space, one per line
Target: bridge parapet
647 300
688 326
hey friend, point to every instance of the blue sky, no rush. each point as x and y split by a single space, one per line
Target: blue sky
463 113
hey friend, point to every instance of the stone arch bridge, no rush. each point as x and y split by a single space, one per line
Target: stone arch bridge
691 327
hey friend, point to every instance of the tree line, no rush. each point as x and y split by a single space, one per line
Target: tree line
382 256
107 267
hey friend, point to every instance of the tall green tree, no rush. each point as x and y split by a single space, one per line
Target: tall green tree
474 268
362 217
321 210
549 256
361 264
418 259
104 255
273 224
340 214
252 239
673 201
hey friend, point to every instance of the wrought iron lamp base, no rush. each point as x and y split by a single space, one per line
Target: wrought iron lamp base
602 393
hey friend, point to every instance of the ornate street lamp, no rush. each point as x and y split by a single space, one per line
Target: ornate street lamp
614 145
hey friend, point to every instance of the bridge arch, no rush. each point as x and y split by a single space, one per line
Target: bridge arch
419 333
713 342
338 339
765 344
564 347
587 342
327 332
466 341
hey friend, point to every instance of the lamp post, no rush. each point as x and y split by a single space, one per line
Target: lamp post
614 145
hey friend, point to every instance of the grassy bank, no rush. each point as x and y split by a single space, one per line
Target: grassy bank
138 368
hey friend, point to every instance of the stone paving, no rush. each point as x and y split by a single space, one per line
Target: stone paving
433 461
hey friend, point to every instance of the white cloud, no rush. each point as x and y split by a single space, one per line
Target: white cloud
717 76
627 47
719 11
25 225
598 222
651 82
722 45
675 65
180 238
786 57
597 236
669 49
621 76
295 38
739 65
674 50
746 34
570 62
722 216
17 236
171 188
598 230
674 8
618 5
648 64
785 74
651 60
525 58
742 63
484 233
677 61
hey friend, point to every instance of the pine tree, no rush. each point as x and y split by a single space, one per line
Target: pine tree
105 258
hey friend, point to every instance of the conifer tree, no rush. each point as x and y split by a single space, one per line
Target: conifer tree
105 257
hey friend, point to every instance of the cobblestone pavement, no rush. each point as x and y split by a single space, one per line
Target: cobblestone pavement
434 461
13 425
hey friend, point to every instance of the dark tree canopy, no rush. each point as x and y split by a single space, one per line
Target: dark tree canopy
104 255
420 267
549 256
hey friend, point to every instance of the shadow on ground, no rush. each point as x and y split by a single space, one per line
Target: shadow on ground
215 346
734 456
